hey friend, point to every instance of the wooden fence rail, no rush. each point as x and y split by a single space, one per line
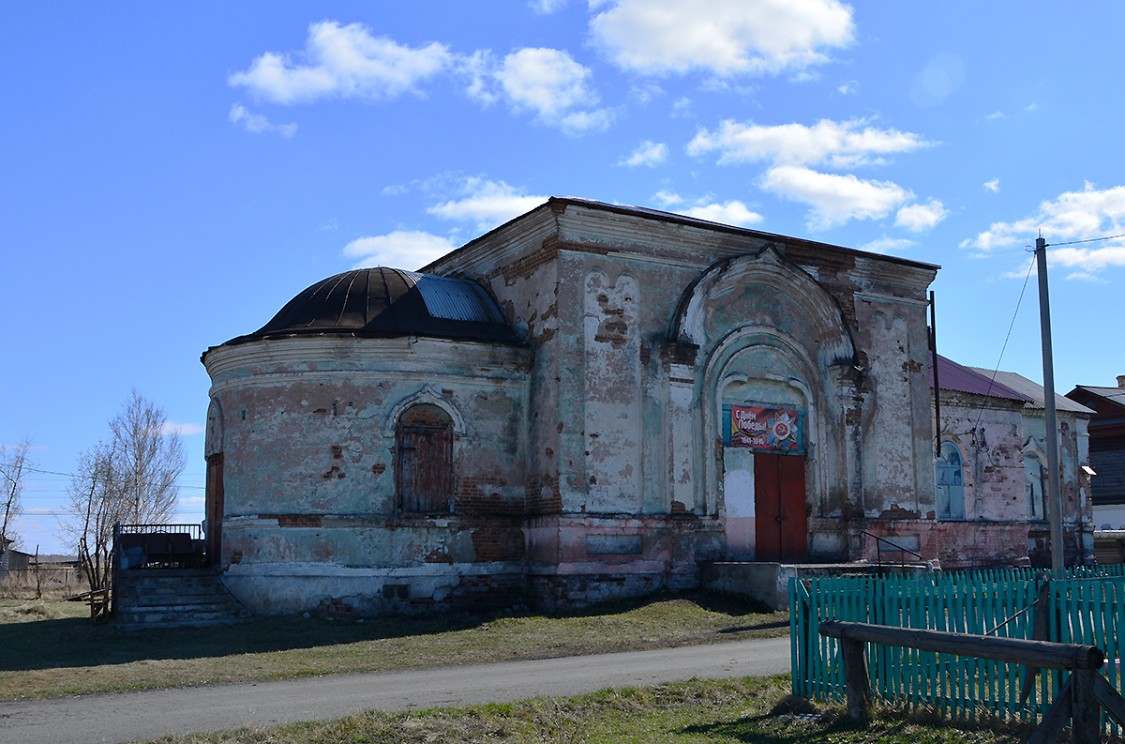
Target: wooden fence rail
1079 699
1082 605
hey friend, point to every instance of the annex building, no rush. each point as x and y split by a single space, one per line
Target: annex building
589 401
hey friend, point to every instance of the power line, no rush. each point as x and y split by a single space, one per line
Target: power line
72 475
1088 240
1004 347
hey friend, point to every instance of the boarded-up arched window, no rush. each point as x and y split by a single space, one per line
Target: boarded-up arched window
950 483
424 445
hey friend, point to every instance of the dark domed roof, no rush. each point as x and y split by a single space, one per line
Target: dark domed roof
383 302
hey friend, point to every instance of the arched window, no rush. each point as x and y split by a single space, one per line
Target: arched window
1035 475
424 452
950 483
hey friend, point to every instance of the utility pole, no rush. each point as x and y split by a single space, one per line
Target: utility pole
1054 497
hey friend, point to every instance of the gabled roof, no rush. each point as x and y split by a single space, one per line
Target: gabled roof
962 379
1115 395
1035 393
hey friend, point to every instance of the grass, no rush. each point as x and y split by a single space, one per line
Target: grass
746 710
51 649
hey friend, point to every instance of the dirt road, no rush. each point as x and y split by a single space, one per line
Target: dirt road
147 715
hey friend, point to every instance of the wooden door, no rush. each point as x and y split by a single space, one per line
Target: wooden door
425 459
215 509
781 515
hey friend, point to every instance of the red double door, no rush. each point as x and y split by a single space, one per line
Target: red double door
781 514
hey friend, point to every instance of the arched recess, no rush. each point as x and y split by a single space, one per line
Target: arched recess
950 479
1035 479
762 323
215 498
427 395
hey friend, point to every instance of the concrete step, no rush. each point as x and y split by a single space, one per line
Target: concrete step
149 598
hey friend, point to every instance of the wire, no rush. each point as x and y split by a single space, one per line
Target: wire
1089 240
1012 325
72 475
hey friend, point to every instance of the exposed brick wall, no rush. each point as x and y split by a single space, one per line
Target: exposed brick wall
543 496
498 541
478 496
295 520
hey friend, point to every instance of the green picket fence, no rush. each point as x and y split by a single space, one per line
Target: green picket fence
1081 605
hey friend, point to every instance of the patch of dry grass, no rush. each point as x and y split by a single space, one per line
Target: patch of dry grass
724 711
64 654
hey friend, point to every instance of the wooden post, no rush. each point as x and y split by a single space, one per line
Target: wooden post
1056 717
855 674
1086 715
1039 634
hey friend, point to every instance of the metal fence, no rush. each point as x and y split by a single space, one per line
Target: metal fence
1079 605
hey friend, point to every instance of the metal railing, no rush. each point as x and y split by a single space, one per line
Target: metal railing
192 528
879 540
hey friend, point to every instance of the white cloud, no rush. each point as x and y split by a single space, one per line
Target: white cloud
886 245
805 76
850 88
993 185
546 7
646 93
185 503
921 217
835 199
345 62
257 124
681 107
668 198
183 429
995 116
487 203
647 153
1072 216
725 37
732 212
401 249
837 144
546 82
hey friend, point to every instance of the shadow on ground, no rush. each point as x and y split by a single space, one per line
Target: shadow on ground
74 642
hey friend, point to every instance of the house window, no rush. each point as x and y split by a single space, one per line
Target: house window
424 445
950 483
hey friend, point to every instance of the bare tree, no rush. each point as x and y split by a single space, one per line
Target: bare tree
13 467
96 505
148 458
129 479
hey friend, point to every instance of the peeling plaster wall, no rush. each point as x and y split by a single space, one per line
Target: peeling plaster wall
589 464
631 433
1074 487
308 437
995 438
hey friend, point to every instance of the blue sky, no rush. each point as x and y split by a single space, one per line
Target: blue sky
172 173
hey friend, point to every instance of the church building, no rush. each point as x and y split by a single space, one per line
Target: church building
590 401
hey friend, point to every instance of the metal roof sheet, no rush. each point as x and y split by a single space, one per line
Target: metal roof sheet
385 302
1035 393
455 299
1112 394
954 376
